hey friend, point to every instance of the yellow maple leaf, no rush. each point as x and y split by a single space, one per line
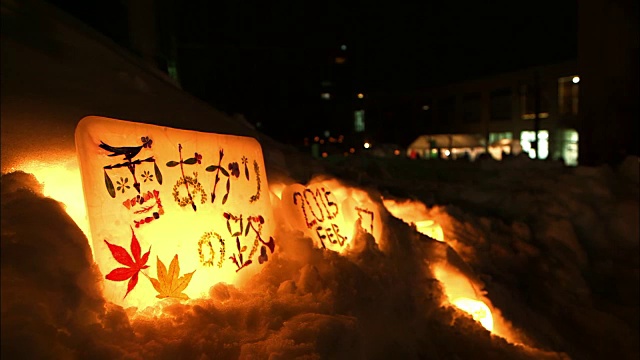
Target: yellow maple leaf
170 284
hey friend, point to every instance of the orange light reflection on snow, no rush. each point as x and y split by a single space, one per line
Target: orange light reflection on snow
61 181
477 309
277 189
457 287
415 212
431 229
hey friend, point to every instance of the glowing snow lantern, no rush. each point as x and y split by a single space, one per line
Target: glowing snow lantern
172 212
316 212
361 211
328 212
431 229
477 309
457 286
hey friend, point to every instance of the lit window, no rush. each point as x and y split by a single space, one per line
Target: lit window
570 147
425 107
325 96
527 138
340 60
358 125
173 71
495 136
542 115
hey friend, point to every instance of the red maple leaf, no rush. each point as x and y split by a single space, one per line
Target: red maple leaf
133 265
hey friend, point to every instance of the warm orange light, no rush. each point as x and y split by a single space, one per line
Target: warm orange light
415 212
477 309
457 286
352 150
461 292
61 181
360 96
277 189
324 154
431 229
328 213
197 203
396 152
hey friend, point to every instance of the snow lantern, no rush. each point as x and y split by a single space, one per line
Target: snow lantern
328 213
172 212
461 293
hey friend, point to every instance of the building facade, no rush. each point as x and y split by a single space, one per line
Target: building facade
499 107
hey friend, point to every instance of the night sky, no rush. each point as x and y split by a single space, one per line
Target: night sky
267 60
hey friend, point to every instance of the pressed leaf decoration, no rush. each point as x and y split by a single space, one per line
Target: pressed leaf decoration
109 184
170 283
133 264
156 169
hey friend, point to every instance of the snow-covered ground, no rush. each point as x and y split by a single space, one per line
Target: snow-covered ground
553 251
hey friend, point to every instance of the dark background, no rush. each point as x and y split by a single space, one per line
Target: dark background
267 60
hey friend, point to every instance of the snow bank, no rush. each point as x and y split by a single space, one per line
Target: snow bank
306 302
557 248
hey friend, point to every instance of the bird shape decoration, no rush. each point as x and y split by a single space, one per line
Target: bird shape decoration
128 152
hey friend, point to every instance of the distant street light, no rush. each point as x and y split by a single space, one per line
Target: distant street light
367 145
576 79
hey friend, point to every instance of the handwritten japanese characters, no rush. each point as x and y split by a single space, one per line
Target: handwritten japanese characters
190 199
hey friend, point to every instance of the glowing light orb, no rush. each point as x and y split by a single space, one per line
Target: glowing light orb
477 309
172 212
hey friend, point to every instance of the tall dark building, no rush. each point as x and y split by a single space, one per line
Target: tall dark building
341 101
